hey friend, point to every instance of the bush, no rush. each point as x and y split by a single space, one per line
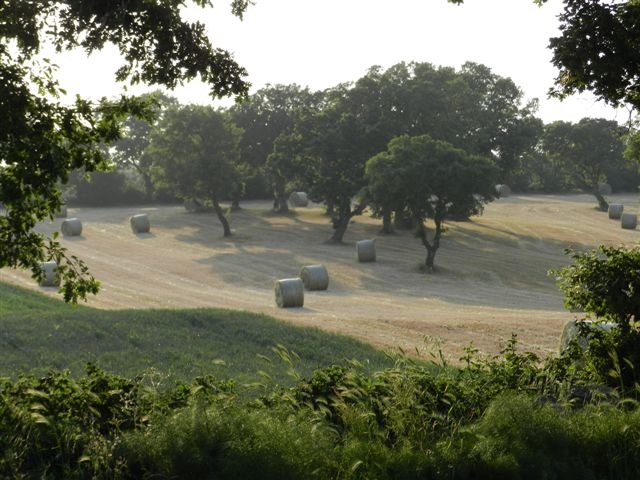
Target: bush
519 438
105 189
500 417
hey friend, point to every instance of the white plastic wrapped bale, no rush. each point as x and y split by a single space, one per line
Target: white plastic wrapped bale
71 227
615 210
140 223
298 199
51 277
503 190
193 205
366 250
289 293
571 332
629 221
314 277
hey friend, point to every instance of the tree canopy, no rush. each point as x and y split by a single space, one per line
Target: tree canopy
587 150
598 50
42 140
431 179
196 150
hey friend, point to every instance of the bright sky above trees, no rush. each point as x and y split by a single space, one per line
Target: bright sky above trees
320 43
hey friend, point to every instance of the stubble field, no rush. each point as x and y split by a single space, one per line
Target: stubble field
491 281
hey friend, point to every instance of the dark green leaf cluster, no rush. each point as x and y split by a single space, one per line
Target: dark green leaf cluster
42 141
429 179
603 283
598 49
61 427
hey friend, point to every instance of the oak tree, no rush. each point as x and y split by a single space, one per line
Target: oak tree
430 178
196 151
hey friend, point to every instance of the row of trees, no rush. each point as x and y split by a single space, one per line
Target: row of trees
460 132
413 142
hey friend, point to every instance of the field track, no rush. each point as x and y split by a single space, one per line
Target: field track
491 278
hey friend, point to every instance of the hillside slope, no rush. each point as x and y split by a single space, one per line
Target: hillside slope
491 278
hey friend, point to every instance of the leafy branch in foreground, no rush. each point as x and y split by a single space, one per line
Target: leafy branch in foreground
42 140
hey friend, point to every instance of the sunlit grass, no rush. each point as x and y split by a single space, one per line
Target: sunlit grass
40 333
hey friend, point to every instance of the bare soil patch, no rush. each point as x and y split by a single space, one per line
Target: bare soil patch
491 280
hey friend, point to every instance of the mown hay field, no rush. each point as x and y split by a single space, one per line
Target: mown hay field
491 281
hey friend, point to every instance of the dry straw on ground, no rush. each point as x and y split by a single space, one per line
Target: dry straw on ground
51 277
629 221
366 250
289 292
314 277
298 199
71 227
615 210
492 280
140 223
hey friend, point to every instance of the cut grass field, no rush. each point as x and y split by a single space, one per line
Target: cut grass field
38 333
491 281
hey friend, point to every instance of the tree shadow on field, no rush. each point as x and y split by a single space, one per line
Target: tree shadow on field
144 235
258 270
493 238
247 226
73 238
119 215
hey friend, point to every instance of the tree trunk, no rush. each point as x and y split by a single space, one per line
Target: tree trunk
431 256
330 210
341 220
222 218
433 246
148 186
602 202
387 225
402 221
340 224
236 195
280 204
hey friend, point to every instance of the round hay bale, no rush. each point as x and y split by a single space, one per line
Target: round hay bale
62 213
503 190
298 199
71 227
193 205
604 189
366 250
571 332
615 210
140 223
314 277
289 292
51 277
629 221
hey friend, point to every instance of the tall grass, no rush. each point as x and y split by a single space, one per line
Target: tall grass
38 333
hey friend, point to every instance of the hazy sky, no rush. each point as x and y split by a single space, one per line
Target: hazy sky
320 43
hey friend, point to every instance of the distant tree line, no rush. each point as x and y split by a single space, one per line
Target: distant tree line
285 138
